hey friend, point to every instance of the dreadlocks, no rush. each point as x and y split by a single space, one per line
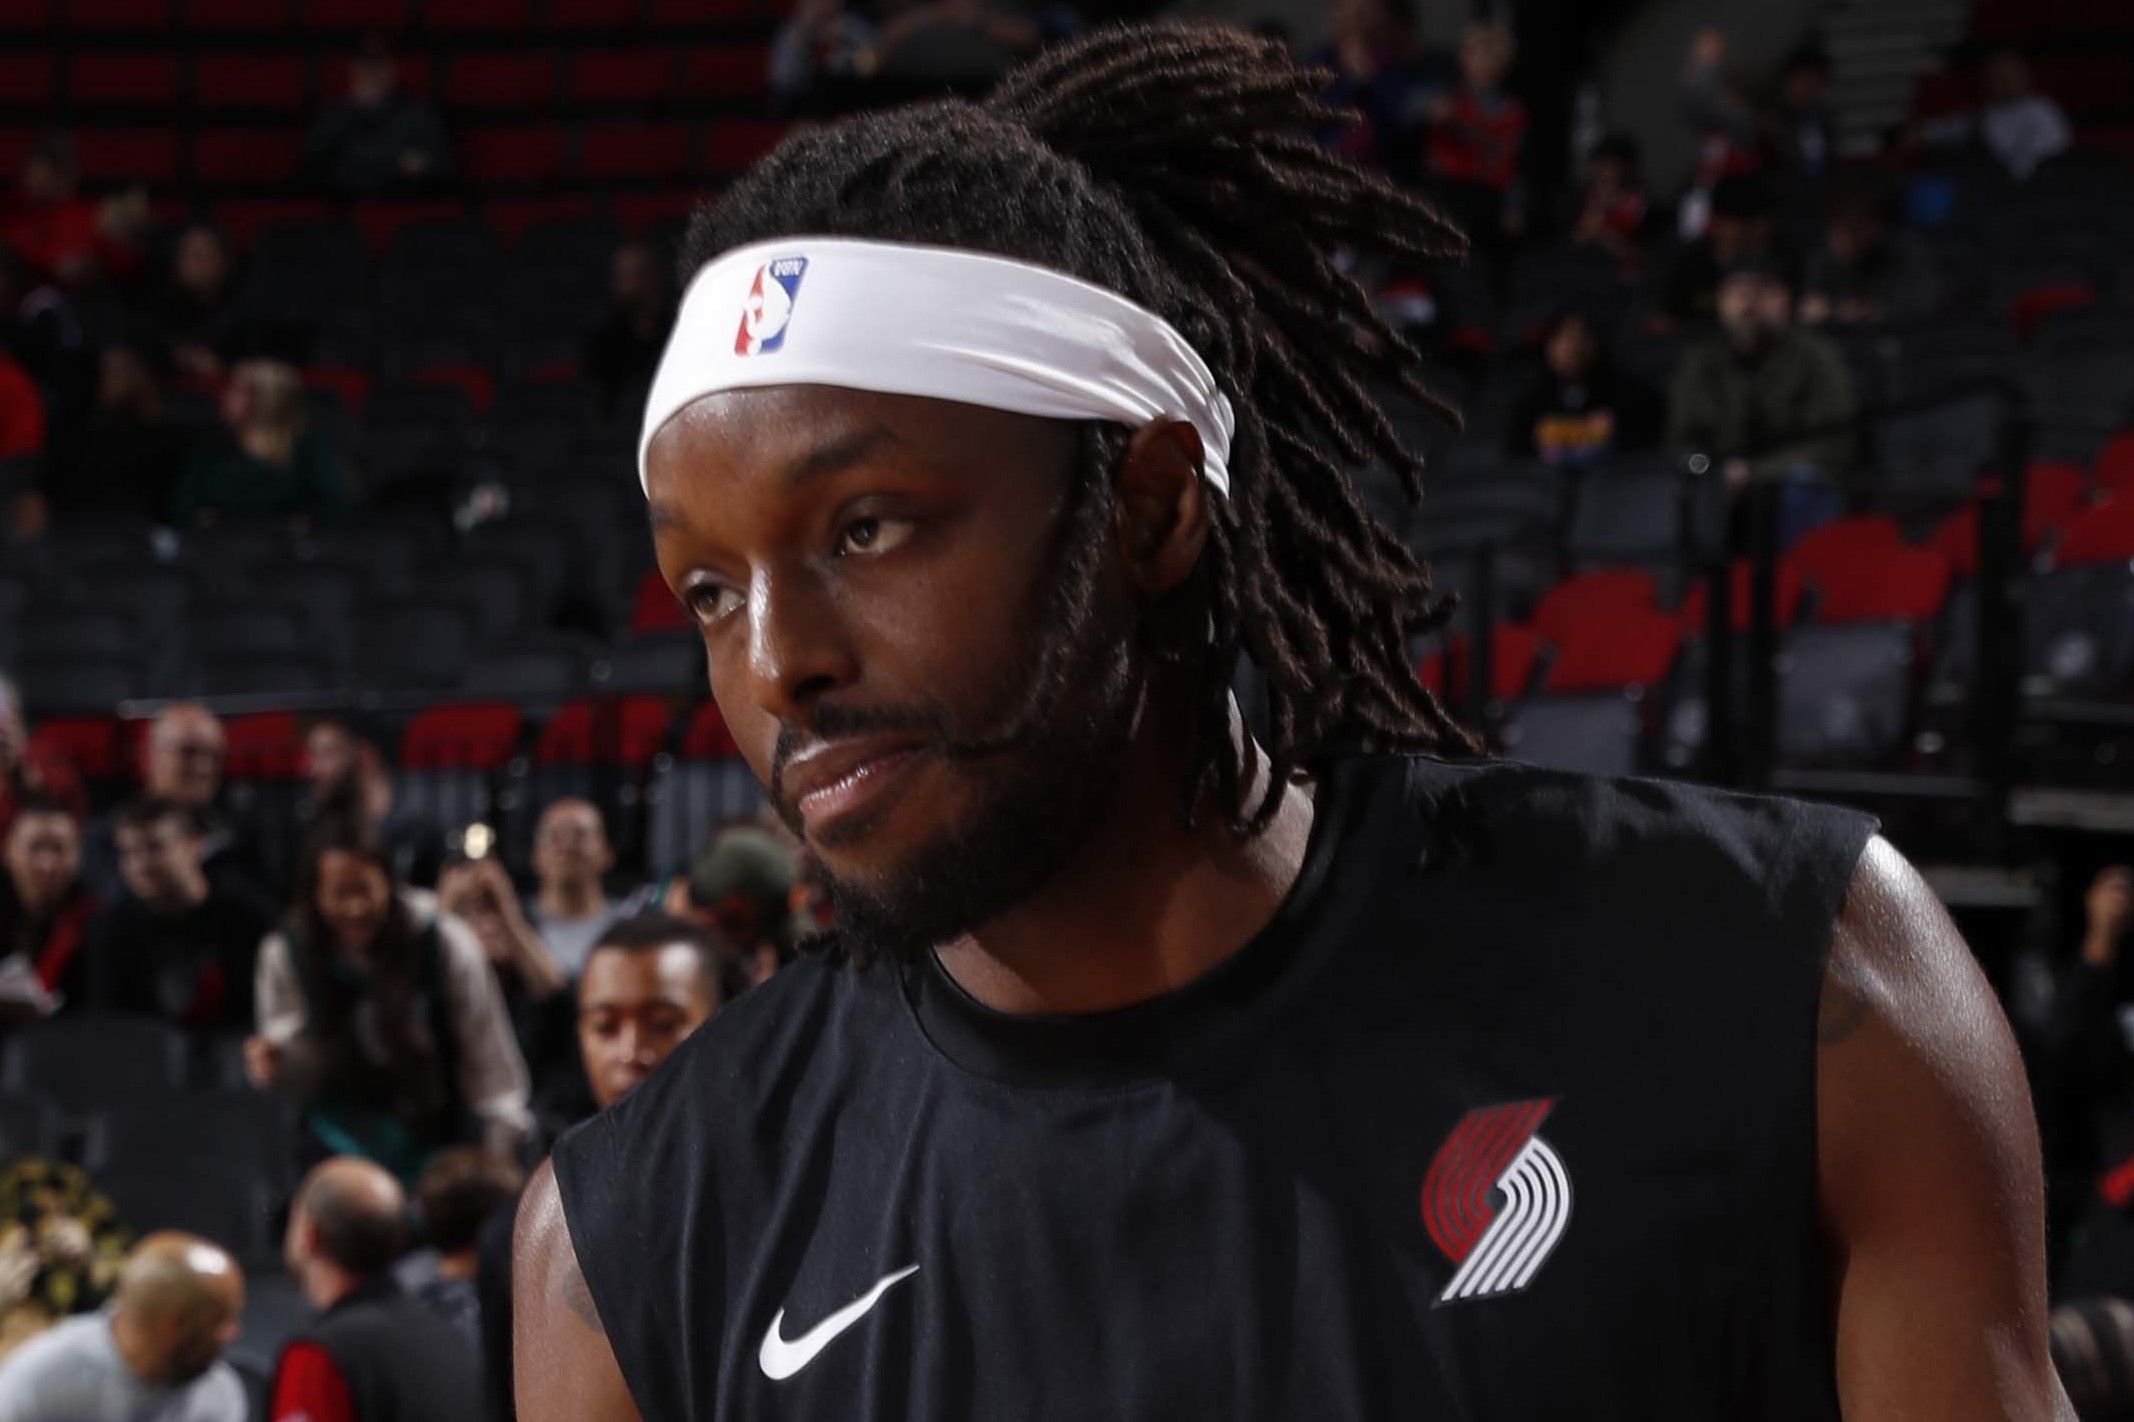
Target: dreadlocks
1171 165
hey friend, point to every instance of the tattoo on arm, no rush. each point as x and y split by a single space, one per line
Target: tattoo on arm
1844 1004
578 1298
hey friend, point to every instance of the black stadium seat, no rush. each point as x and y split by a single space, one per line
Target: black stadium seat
29 1125
94 1060
246 1129
224 1202
413 646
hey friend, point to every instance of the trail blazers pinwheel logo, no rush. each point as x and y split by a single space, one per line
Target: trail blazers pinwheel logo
1496 1200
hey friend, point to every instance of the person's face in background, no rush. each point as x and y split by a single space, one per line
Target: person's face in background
186 749
329 755
1746 304
44 855
634 1008
124 381
160 862
372 79
1485 57
13 735
571 845
1572 349
638 282
201 265
354 897
192 1341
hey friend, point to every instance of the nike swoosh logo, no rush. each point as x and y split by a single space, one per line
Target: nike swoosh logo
781 1359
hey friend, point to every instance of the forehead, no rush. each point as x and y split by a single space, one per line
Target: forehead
740 451
623 978
571 814
45 826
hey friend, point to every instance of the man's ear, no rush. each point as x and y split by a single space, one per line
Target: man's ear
1162 505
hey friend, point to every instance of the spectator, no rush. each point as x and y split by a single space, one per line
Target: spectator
650 983
378 139
126 462
197 307
156 1353
536 990
65 236
571 859
45 912
1761 378
344 767
1862 273
744 884
965 45
28 771
1475 138
41 331
1800 136
823 43
1613 210
456 1196
2019 126
269 465
621 354
1580 410
1373 60
380 1017
374 1354
179 945
185 750
1739 231
2091 1069
22 445
61 1247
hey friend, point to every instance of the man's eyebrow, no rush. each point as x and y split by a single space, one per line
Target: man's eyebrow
838 454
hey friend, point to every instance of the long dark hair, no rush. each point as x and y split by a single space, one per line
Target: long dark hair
410 1081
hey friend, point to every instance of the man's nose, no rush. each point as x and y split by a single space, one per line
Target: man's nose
797 644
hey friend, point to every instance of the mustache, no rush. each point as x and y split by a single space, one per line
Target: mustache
830 723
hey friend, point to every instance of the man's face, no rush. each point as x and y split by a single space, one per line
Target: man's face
571 845
371 80
44 854
160 862
1571 349
634 1009
1744 309
902 640
192 1343
328 753
201 264
185 755
635 276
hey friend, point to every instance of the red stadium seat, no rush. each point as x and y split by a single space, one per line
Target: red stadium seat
478 737
619 76
707 737
1826 551
627 731
29 78
116 14
96 746
2103 534
2030 307
34 16
251 81
242 221
351 386
737 143
1514 651
676 13
639 152
725 71
382 221
501 81
1630 648
250 16
2114 474
2052 494
637 211
1602 594
413 69
656 609
469 16
511 218
1792 588
1897 584
523 153
128 155
590 14
384 16
234 157
266 746
122 80
477 383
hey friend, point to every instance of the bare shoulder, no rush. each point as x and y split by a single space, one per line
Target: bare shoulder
1927 1167
562 1364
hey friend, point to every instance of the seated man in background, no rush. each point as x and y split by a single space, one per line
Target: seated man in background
373 1354
571 859
378 139
45 911
744 884
1864 274
178 944
455 1197
182 761
155 1354
650 982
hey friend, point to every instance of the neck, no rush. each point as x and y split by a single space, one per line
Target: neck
1147 905
134 1348
571 900
327 1284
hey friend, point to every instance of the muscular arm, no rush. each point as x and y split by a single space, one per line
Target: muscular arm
561 1362
1931 1191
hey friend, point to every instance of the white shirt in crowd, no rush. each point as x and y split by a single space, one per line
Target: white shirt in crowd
72 1372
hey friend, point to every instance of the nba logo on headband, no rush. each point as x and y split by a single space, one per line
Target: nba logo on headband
769 307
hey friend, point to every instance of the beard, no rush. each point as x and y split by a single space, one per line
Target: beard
1048 766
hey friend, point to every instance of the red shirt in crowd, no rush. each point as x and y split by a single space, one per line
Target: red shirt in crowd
309 1388
1478 142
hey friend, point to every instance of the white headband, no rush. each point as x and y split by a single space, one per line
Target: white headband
899 319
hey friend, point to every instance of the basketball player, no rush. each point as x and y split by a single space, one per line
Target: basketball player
1165 1072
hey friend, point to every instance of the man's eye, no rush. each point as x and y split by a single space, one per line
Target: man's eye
873 535
708 602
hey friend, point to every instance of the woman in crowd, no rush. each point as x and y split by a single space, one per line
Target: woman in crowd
271 466
380 1016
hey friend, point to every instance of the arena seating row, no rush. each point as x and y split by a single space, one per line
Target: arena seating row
94 19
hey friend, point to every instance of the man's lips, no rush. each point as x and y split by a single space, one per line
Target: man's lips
834 778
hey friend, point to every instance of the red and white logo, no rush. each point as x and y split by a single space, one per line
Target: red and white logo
1496 1200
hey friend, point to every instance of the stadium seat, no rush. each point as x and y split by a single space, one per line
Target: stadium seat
501 81
451 756
142 15
129 155
272 674
29 1126
681 14
469 16
620 76
1825 552
93 745
247 1129
1635 512
531 677
1630 648
656 608
2114 471
2078 630
251 17
73 684
730 145
92 1061
1586 597
667 663
1515 654
1790 588
268 82
245 157
522 153
1898 584
413 647
638 152
29 79
590 14
1939 453
1845 693
724 72
26 16
2101 534
247 630
51 632
218 1201
492 591
1593 735
707 785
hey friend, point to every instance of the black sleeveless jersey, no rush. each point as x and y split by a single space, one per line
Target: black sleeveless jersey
1509 1114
